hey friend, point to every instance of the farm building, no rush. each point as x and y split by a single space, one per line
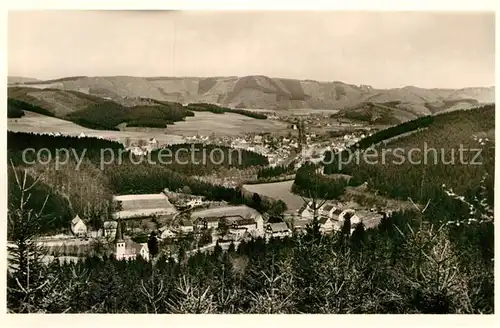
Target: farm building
166 232
208 223
300 225
277 230
194 202
78 227
242 212
145 205
186 226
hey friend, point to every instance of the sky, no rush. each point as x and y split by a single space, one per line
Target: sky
382 49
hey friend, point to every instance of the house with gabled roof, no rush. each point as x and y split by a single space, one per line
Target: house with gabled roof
238 217
305 212
78 227
186 226
278 230
327 210
325 224
109 228
211 222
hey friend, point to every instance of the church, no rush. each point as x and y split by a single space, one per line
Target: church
128 249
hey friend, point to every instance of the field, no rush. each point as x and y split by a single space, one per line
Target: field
37 123
294 111
229 124
278 190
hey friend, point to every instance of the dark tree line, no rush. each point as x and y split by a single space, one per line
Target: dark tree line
427 178
204 107
88 191
16 105
269 172
395 268
108 115
324 186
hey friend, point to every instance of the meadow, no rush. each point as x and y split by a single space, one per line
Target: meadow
229 124
278 190
37 123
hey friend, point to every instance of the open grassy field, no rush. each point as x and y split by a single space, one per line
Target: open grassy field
204 123
278 190
294 111
37 123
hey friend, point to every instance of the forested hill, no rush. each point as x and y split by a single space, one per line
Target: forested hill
423 163
99 113
258 91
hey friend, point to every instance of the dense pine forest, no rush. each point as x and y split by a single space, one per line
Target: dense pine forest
108 115
276 171
204 107
86 188
402 266
430 175
433 260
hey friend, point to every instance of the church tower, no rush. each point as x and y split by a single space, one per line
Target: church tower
120 242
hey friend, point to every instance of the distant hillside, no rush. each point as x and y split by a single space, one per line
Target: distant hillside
422 175
20 79
56 102
394 112
262 92
104 113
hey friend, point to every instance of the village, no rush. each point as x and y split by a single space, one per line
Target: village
175 217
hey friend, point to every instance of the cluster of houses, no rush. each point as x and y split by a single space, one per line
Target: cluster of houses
143 147
331 217
225 223
228 223
59 134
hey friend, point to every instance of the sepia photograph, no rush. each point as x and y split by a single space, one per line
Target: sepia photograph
250 162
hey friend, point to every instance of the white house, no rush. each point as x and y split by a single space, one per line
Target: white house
138 151
186 226
166 232
194 202
328 210
144 251
347 213
305 212
109 228
82 135
235 214
325 224
277 230
78 227
152 144
208 223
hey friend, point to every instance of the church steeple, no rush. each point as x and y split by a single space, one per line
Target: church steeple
120 243
119 235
